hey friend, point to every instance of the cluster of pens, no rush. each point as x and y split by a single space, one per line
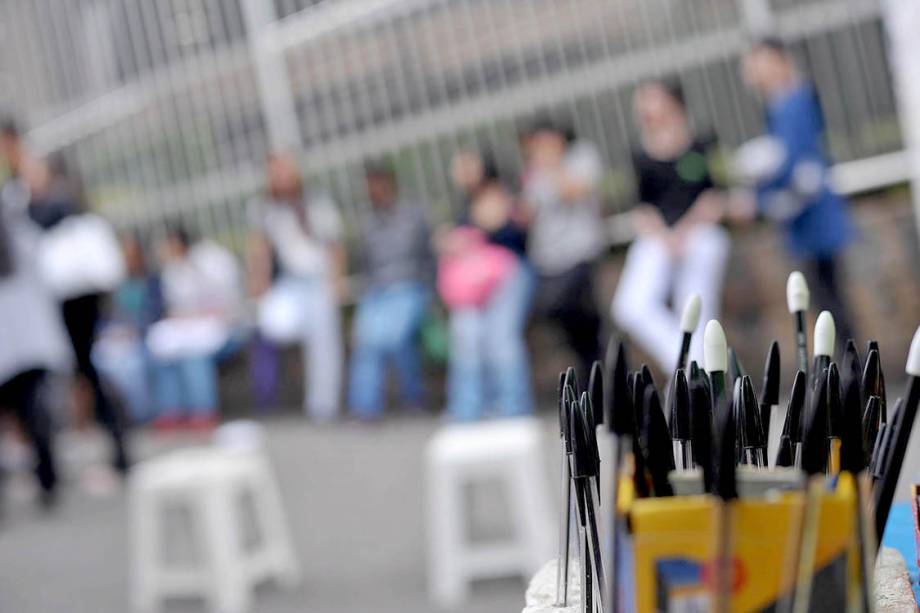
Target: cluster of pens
720 439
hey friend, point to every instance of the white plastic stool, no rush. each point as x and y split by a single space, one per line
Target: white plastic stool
209 483
511 451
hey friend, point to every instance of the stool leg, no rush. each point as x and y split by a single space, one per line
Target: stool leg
532 511
273 526
447 582
230 587
145 558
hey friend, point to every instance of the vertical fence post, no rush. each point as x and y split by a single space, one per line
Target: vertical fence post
902 21
275 95
757 16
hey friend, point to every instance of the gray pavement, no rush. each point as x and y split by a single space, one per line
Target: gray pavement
354 498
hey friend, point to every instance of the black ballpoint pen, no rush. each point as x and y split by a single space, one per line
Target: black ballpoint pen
873 418
701 427
725 490
751 438
565 515
769 395
790 442
620 420
657 444
584 471
853 462
679 423
814 463
884 493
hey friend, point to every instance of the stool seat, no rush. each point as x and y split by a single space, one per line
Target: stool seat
209 483
485 441
507 450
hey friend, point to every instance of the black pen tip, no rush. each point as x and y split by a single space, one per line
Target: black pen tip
596 392
851 359
571 378
680 407
619 407
750 428
657 443
792 427
647 377
769 395
834 402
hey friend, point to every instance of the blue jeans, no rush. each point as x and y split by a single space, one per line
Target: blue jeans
385 328
125 364
186 386
488 363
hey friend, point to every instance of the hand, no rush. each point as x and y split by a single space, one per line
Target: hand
647 221
742 206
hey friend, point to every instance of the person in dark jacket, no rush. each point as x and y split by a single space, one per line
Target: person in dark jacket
796 191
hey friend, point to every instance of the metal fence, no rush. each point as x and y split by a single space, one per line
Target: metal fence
168 107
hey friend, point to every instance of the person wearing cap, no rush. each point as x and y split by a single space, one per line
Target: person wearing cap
679 249
791 178
397 264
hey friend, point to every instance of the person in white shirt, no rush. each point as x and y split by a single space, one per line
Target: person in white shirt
296 265
203 303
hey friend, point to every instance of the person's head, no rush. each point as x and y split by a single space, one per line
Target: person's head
381 185
10 143
282 177
132 251
768 67
469 169
546 141
175 244
660 104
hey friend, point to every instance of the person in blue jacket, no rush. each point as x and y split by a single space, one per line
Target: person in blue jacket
795 191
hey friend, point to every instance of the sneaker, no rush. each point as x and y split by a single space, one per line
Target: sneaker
204 424
168 423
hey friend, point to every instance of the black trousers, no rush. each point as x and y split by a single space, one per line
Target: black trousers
81 317
23 396
568 300
824 277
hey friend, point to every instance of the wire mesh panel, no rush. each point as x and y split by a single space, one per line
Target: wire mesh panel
169 106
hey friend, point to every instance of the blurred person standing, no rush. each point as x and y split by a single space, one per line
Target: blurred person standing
397 261
34 342
296 264
120 352
203 308
792 180
567 232
81 263
679 249
486 282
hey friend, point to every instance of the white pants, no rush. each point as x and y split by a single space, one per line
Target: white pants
650 274
306 311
